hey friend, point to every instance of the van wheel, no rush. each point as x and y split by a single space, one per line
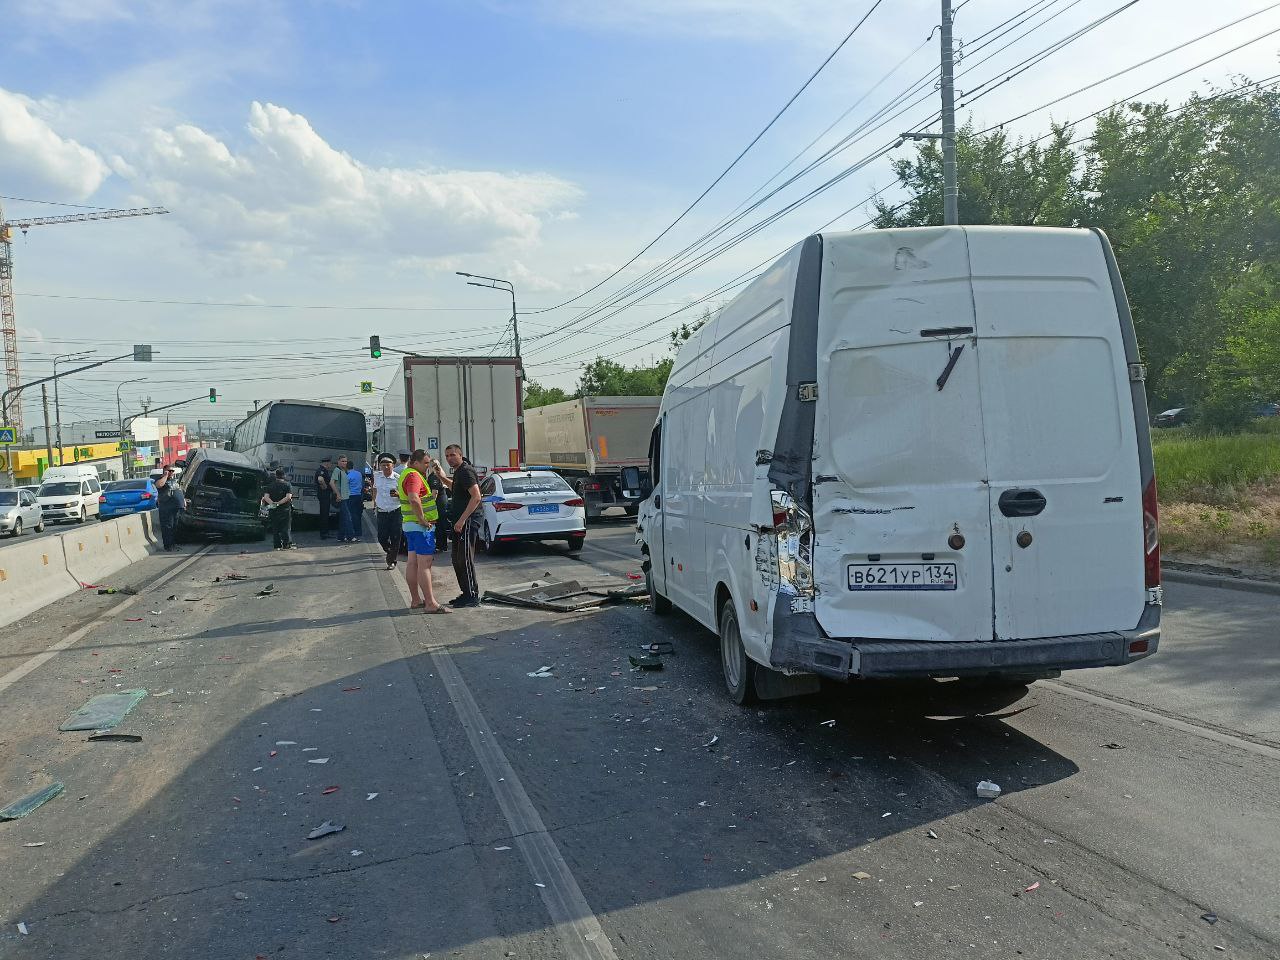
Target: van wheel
739 669
659 604
83 516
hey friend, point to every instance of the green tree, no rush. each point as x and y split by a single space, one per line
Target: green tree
603 377
536 395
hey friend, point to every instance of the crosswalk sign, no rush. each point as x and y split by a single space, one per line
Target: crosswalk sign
8 435
366 386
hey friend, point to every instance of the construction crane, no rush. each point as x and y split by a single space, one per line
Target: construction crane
8 324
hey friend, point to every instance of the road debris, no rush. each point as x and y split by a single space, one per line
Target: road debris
39 843
22 929
861 875
108 737
319 760
357 853
1034 886
647 662
328 790
1210 918
1114 746
659 646
501 849
712 742
240 896
350 689
371 796
566 596
827 723
541 673
25 805
988 790
932 835
104 711
286 743
325 829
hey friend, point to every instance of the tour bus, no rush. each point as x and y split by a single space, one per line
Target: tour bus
911 453
296 435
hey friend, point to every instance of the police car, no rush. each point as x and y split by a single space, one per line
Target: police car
530 504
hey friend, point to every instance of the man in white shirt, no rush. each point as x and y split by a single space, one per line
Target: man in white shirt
386 501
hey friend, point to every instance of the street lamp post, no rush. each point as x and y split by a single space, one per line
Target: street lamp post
493 283
57 407
126 464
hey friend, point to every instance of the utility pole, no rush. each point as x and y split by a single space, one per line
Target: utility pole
48 440
950 190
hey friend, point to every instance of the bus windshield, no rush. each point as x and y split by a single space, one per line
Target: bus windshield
309 426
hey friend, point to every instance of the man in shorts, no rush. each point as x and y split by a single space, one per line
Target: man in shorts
418 514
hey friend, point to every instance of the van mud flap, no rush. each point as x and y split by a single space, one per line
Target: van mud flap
800 645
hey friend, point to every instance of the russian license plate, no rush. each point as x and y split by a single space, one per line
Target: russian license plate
902 576
544 508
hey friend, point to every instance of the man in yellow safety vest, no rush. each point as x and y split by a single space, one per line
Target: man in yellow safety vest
418 514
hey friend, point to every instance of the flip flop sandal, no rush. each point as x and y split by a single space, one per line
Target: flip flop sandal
440 608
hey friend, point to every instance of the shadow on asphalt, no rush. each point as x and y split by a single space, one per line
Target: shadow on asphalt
781 789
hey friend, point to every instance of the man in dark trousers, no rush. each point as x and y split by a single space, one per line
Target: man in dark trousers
465 518
279 500
324 493
169 503
386 504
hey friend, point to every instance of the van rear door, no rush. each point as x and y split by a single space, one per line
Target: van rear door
900 452
1061 443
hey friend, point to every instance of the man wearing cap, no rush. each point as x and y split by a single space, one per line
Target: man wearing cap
386 502
324 493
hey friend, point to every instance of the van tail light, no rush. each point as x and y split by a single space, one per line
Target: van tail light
593 487
1151 534
102 498
779 518
504 505
575 502
146 495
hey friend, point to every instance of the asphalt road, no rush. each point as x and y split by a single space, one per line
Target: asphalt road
601 812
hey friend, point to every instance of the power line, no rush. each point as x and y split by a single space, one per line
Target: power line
724 173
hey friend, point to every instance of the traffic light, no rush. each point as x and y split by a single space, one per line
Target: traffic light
375 348
213 394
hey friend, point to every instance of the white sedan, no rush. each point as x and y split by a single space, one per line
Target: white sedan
531 505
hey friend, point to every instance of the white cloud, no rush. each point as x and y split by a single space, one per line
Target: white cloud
289 193
33 156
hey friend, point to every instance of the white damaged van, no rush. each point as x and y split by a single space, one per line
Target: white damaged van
911 453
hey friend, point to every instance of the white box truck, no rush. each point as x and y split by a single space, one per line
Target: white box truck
912 453
475 402
589 441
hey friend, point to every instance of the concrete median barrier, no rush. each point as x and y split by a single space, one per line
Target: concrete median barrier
93 551
151 526
32 575
133 537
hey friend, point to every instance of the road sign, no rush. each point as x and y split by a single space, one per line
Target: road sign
8 435
105 434
366 386
125 444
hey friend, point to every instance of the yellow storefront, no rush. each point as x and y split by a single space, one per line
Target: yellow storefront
30 465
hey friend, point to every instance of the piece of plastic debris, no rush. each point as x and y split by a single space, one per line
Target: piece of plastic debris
918 903
357 853
22 929
712 742
657 749
647 662
1209 918
635 576
543 885
501 849
883 815
335 919
540 673
325 829
157 613
659 646
827 723
310 749
236 576
286 743
108 737
41 843
267 590
255 769
1034 886
328 790
23 806
132 619
932 835
861 875
163 693
988 790
240 896
371 796
350 689
1114 746
274 753
319 760
236 800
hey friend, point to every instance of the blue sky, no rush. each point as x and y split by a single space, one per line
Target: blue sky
348 153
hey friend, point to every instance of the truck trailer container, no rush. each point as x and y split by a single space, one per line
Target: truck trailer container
588 441
471 401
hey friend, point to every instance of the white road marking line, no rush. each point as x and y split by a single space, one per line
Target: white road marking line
17 673
1206 733
577 926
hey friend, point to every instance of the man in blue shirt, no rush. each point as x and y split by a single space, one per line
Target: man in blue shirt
355 500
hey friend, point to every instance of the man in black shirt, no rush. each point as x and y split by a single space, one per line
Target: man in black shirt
464 512
324 494
279 500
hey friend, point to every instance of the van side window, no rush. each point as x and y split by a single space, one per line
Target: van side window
84 488
655 454
95 486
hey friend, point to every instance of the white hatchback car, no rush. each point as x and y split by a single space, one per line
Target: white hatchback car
531 505
19 510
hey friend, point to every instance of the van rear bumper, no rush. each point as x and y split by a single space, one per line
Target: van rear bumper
845 658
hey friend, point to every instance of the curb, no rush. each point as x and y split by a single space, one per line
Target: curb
1222 581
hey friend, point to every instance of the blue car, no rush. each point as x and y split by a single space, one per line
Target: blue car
120 497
